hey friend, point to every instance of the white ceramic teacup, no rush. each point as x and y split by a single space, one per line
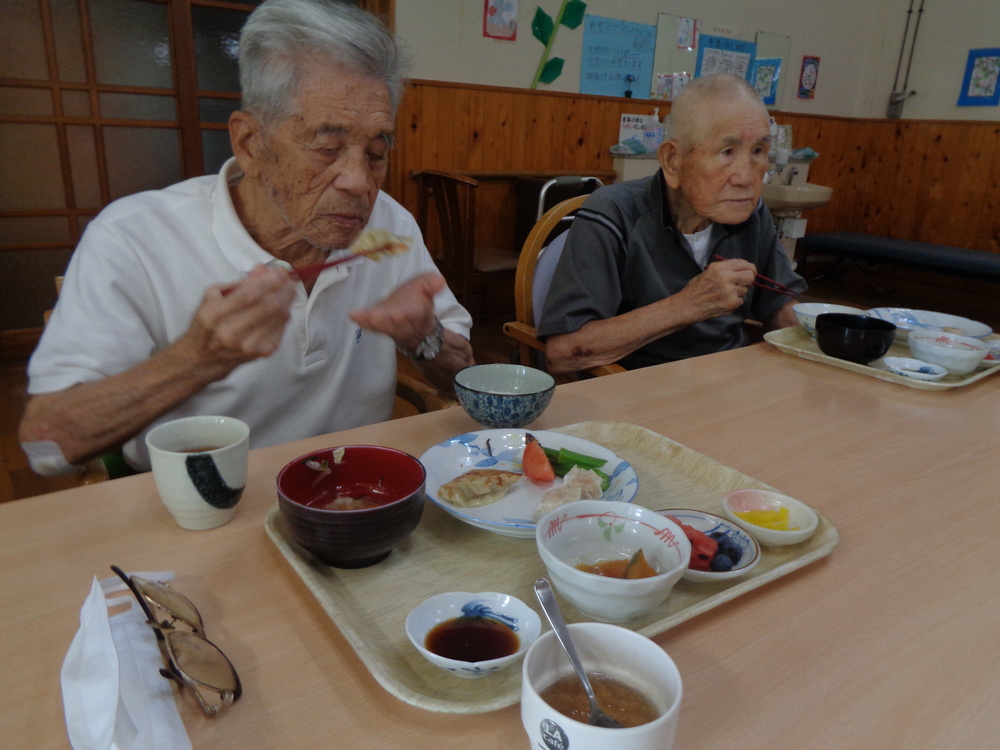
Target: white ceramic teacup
200 468
619 653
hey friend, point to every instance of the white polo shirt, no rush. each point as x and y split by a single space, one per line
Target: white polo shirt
140 273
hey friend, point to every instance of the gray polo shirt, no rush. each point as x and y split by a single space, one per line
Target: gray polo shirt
623 252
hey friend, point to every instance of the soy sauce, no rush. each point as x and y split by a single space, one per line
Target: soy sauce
472 639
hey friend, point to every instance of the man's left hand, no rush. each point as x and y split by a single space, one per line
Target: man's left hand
406 315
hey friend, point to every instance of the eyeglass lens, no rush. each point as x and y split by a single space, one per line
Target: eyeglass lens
201 660
177 605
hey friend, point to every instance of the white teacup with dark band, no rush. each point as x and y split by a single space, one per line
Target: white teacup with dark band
200 468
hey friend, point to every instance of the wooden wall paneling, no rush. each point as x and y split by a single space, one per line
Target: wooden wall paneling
462 120
990 229
500 124
519 129
445 132
539 133
954 215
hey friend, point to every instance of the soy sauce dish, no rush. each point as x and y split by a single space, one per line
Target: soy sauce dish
472 635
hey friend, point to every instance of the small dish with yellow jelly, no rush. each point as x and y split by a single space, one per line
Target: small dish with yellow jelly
774 520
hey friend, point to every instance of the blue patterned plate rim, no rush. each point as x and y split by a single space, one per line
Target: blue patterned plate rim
514 513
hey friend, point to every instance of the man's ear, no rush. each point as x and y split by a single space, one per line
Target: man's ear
670 157
245 137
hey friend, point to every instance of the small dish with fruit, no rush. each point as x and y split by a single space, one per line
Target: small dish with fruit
720 549
775 520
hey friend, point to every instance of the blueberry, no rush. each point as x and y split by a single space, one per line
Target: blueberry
719 536
731 551
721 563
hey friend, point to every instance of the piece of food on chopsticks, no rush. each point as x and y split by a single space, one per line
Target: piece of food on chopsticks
377 243
478 487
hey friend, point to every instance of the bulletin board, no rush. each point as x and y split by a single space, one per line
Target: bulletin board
612 50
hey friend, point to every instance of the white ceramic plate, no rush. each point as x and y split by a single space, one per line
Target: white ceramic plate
907 320
914 368
514 514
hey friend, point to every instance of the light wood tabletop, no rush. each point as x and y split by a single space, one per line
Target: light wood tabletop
892 641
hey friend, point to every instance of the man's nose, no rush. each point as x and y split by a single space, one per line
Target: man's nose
354 175
745 171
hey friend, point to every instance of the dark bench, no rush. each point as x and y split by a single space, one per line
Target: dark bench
926 256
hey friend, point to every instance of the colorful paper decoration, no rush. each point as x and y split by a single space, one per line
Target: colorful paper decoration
500 19
765 78
981 85
544 29
807 78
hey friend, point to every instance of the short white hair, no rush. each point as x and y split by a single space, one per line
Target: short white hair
282 37
686 108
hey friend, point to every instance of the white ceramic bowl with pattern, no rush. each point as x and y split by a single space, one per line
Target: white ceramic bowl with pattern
506 610
590 531
806 312
907 321
959 355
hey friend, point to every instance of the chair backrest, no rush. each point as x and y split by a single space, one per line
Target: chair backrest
527 265
545 268
454 202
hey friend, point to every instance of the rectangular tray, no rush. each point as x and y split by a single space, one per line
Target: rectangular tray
369 606
797 342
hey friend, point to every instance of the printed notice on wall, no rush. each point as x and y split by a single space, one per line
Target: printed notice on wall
617 57
719 54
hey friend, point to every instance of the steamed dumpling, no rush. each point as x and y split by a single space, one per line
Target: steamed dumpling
555 497
588 482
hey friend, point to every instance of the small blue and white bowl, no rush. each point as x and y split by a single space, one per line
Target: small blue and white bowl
504 609
709 523
501 395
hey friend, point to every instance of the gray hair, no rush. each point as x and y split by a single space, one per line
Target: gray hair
282 36
685 108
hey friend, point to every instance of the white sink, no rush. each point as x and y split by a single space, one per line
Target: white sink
795 197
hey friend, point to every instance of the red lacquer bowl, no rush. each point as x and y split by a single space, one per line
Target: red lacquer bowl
352 538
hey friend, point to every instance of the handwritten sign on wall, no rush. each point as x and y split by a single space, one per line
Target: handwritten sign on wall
719 54
612 50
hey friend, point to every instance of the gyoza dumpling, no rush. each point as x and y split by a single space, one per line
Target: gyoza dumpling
588 482
555 497
478 487
376 243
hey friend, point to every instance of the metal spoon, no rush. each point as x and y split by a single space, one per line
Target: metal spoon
550 607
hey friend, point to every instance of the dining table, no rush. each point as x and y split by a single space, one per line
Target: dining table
891 641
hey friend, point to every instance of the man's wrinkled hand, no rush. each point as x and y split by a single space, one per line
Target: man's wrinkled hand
720 288
406 315
242 322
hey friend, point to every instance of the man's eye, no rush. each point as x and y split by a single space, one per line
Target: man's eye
376 157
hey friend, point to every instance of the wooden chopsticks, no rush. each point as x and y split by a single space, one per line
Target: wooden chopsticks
765 283
307 272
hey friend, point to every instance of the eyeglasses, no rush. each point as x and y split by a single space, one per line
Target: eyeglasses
192 660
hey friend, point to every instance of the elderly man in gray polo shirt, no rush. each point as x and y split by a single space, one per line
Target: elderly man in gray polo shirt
640 280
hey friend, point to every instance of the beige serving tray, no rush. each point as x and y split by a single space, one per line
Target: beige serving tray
797 342
445 554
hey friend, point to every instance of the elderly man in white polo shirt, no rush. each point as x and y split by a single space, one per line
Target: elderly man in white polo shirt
180 302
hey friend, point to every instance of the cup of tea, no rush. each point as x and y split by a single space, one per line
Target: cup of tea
200 468
635 681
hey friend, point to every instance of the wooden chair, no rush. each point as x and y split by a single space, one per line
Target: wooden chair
523 330
469 269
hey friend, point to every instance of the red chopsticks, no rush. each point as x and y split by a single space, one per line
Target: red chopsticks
769 284
307 272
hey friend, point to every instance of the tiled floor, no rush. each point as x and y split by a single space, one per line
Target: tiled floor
976 300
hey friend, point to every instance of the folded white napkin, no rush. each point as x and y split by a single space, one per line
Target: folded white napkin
113 694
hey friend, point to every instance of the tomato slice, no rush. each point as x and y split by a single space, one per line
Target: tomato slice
536 464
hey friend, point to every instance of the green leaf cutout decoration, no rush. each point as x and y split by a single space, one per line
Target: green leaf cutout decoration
542 26
570 15
601 523
551 70
573 13
607 533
